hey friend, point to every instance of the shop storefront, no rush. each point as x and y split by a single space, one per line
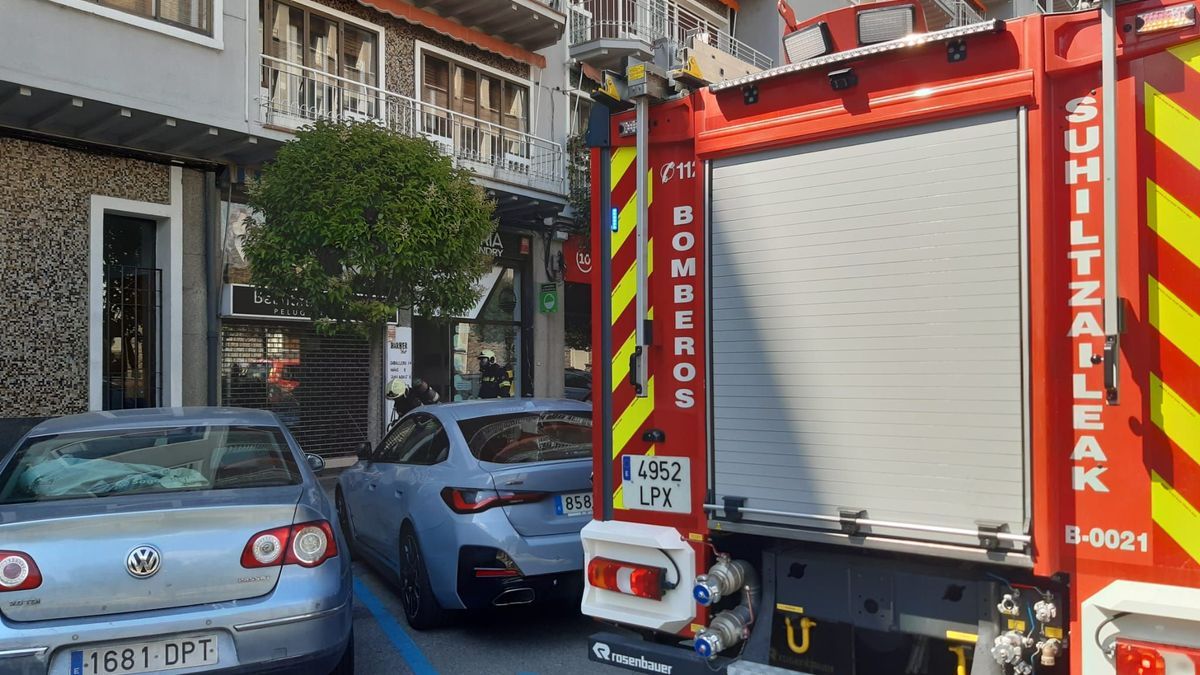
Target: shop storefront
273 358
447 349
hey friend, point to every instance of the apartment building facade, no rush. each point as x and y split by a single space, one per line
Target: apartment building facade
130 128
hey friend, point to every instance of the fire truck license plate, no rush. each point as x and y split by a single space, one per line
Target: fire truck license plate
657 483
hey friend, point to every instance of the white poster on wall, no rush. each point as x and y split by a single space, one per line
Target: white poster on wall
397 364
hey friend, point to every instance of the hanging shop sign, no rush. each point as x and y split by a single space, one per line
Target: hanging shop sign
577 260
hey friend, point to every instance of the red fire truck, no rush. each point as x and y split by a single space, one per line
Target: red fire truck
899 349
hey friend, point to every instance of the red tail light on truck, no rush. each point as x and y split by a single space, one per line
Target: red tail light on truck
1145 658
643 581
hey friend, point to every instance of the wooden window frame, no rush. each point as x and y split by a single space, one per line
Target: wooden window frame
266 14
454 65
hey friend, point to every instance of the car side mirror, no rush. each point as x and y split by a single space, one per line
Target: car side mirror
315 462
364 450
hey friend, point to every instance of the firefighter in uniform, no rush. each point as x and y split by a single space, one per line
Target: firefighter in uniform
405 398
494 381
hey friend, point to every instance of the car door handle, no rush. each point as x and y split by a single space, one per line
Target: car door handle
399 493
371 486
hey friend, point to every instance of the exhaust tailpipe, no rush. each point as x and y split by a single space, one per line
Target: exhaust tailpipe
514 596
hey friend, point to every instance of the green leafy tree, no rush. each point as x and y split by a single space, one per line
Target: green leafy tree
355 221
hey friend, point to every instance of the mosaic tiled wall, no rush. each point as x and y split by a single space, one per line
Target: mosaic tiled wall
45 202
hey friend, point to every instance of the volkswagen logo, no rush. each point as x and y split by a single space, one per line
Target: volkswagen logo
143 561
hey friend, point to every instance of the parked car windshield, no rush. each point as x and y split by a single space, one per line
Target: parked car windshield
529 437
126 461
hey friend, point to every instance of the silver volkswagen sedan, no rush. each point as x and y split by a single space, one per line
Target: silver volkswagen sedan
181 540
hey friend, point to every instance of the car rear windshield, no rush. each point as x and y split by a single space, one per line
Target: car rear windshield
119 462
529 437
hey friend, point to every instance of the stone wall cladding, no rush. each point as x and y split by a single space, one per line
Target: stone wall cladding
45 205
400 47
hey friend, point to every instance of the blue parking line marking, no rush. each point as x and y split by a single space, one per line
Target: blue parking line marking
412 654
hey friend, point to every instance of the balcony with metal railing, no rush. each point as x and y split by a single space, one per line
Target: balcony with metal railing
941 14
292 95
605 32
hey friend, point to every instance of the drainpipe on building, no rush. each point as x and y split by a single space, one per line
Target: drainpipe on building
212 265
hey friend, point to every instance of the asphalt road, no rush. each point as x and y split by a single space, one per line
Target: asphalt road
529 640
541 640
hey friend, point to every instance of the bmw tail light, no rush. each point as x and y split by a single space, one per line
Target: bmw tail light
885 24
304 544
470 500
18 572
643 581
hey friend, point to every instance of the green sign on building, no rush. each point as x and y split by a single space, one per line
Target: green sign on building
548 298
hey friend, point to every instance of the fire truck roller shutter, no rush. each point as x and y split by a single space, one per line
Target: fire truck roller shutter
867 330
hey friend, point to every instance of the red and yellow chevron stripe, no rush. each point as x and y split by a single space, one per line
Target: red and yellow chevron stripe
1171 139
630 412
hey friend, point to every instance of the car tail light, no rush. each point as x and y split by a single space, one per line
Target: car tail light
304 544
495 573
1167 18
470 500
18 572
643 581
1140 658
312 544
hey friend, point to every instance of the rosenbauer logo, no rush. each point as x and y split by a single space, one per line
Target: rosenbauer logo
605 653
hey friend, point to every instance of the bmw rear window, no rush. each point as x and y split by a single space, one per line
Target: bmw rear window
529 437
137 461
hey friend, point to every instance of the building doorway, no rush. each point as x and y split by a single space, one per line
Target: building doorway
132 314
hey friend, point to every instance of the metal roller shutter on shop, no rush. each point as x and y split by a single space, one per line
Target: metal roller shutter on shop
317 384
